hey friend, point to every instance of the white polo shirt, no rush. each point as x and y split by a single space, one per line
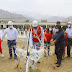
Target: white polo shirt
69 32
12 34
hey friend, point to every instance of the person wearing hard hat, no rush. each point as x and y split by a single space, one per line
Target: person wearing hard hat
36 36
69 32
12 38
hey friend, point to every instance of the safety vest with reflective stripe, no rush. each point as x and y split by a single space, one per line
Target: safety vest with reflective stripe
35 35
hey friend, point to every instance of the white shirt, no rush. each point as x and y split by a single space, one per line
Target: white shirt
69 32
42 36
0 33
12 34
54 30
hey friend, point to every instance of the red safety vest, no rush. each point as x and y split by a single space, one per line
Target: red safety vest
35 35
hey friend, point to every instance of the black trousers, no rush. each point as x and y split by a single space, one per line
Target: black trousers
69 46
59 52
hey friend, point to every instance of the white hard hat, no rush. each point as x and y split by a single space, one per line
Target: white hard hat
10 23
69 23
35 23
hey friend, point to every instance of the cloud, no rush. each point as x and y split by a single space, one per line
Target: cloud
55 7
44 7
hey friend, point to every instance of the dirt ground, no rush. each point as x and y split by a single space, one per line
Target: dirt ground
9 65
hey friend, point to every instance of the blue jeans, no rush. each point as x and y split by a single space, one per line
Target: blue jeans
37 45
12 44
46 46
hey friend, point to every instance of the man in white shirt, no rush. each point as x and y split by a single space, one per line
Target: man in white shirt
69 32
12 38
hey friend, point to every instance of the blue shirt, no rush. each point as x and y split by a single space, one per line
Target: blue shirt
69 32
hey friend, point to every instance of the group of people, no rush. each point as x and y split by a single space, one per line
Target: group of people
21 31
57 35
61 37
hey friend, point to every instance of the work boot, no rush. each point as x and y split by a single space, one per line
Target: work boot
16 58
32 62
38 62
10 57
67 56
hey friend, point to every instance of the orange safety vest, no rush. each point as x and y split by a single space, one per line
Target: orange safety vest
30 28
35 35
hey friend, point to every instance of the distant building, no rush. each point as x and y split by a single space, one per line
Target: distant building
43 20
4 20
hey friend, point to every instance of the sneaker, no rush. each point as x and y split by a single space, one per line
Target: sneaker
10 57
38 62
32 62
16 58
2 56
67 56
58 65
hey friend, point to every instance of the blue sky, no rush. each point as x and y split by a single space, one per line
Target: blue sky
42 7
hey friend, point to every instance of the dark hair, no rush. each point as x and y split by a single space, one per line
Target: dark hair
59 27
64 28
48 31
52 32
58 22
54 26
